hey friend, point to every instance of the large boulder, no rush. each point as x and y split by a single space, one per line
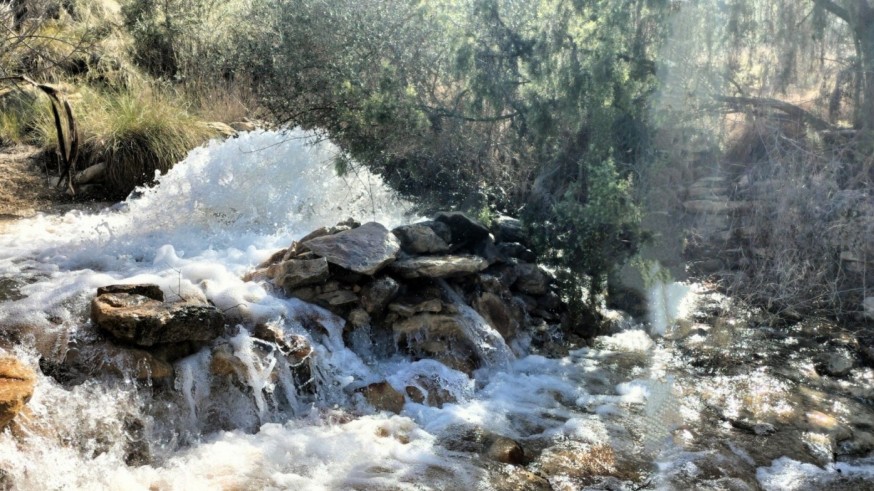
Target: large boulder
365 249
144 321
532 280
17 381
438 266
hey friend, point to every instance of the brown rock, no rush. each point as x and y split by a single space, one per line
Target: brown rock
17 381
296 273
365 249
429 392
505 317
358 318
438 266
144 321
506 450
383 397
104 358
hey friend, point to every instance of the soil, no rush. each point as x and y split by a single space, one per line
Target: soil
25 189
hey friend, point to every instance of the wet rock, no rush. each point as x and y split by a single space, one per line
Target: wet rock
517 478
499 314
147 290
104 358
464 229
433 306
296 273
358 318
17 381
438 336
365 249
383 397
491 445
506 274
144 321
438 266
421 238
378 293
508 229
532 280
427 391
505 450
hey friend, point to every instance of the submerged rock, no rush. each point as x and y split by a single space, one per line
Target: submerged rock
383 397
101 358
365 249
17 381
144 321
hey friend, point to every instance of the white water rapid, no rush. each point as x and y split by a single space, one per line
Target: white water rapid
609 416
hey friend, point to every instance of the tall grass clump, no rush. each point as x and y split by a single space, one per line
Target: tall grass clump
135 132
139 134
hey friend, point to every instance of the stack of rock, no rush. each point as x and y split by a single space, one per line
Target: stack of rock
396 281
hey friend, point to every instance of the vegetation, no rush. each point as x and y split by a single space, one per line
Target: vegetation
567 113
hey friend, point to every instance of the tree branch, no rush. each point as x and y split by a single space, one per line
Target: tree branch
814 121
835 9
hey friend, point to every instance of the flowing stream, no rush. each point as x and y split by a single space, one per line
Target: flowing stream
712 399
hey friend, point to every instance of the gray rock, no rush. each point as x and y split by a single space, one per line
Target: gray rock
438 266
144 321
365 249
532 280
517 250
296 273
433 306
465 230
508 229
378 293
421 238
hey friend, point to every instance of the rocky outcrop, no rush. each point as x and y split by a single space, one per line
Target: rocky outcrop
17 382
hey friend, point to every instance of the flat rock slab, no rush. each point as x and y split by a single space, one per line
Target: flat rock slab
365 249
438 266
144 321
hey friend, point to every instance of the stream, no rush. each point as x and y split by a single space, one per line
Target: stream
703 395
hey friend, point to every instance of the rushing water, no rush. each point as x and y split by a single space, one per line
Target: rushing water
711 401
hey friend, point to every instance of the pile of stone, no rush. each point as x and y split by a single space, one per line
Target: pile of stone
406 282
412 288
